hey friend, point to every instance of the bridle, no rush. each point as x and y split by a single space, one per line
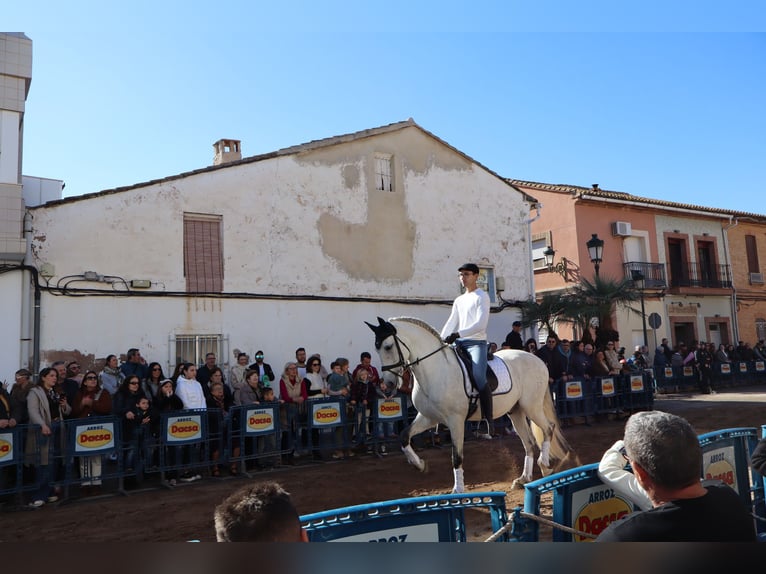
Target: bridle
401 363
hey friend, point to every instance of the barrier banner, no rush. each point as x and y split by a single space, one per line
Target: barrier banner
760 366
390 409
93 438
688 372
595 508
607 387
668 372
260 420
636 383
185 429
743 367
326 413
574 390
725 369
7 450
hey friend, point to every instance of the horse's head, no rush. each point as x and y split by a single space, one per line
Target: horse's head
383 330
391 354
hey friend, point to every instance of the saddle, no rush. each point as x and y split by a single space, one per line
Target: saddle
468 362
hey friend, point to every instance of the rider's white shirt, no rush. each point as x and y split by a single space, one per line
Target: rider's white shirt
469 316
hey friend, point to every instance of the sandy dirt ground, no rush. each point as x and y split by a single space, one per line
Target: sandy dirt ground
157 514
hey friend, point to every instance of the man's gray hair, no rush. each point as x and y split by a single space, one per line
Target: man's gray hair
665 446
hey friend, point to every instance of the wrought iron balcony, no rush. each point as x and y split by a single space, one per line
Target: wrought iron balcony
701 275
654 273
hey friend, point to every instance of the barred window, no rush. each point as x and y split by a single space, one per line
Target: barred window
384 172
193 348
203 253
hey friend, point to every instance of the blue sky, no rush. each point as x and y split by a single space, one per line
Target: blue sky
656 100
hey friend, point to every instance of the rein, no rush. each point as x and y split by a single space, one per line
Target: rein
401 363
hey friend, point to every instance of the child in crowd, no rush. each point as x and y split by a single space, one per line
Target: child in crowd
139 428
362 397
337 382
386 390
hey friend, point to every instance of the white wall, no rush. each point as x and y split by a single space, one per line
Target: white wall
11 285
305 224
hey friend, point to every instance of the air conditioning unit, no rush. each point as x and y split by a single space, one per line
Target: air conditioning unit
756 279
621 228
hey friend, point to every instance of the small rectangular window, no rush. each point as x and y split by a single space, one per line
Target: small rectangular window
384 173
540 242
203 253
752 254
193 348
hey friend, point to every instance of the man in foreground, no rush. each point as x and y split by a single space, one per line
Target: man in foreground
261 512
666 458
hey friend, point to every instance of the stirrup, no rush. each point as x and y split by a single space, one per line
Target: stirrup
489 435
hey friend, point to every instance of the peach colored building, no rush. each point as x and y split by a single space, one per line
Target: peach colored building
747 239
681 250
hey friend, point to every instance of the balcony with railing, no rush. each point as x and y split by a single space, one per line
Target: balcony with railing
653 273
700 275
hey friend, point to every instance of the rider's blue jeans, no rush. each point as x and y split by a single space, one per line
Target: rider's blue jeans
478 351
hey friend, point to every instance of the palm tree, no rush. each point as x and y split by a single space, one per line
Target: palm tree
550 309
599 299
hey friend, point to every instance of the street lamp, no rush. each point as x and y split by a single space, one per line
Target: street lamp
595 250
640 281
561 267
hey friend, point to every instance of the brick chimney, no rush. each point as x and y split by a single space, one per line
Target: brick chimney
227 151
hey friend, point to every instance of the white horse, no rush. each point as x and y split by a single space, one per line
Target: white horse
439 395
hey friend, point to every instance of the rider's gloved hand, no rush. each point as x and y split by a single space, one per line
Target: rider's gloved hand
452 338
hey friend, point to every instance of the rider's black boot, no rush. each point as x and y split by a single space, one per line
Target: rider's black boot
485 398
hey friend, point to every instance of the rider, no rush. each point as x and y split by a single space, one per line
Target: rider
467 328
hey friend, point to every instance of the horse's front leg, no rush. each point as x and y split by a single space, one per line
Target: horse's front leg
419 424
457 435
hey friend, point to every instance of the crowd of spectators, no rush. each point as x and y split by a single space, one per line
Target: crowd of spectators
138 392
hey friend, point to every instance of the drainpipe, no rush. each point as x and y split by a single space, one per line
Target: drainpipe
725 230
537 207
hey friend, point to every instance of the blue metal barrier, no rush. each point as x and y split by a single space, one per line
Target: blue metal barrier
12 454
254 430
439 518
580 501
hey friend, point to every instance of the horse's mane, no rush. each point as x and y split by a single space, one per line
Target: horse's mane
419 323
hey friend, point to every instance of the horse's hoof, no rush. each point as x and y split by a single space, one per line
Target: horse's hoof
518 483
424 467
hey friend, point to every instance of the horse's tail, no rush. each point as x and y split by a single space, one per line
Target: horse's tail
561 450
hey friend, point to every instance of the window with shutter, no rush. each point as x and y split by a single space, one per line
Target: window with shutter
203 253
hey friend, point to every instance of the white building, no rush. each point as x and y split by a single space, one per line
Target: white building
293 248
15 295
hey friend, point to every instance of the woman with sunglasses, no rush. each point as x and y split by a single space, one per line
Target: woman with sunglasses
153 382
91 400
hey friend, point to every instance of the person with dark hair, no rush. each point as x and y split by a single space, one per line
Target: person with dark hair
135 364
260 512
167 402
365 362
466 327
513 338
65 386
300 361
124 407
265 372
151 384
91 400
189 389
46 406
204 372
666 457
18 396
110 378
530 345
